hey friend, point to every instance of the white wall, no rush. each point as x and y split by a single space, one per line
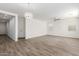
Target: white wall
60 27
2 28
35 28
21 27
11 28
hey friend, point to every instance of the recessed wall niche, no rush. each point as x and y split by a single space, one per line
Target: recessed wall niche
72 28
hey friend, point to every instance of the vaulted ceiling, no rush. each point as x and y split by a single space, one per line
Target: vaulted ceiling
39 10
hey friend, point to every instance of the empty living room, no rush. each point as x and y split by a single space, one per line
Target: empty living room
39 29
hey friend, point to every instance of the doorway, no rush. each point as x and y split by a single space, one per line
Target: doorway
9 24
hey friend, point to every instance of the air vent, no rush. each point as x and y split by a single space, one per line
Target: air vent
57 19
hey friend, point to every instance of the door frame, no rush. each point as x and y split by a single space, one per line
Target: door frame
16 23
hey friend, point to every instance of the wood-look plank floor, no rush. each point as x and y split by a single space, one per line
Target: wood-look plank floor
40 46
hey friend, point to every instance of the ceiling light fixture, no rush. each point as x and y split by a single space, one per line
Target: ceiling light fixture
28 14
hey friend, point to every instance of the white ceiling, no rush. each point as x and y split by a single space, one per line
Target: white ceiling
39 10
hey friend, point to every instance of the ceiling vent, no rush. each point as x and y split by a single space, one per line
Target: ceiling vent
57 19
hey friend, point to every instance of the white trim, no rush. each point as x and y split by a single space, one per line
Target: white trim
16 28
9 13
25 28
